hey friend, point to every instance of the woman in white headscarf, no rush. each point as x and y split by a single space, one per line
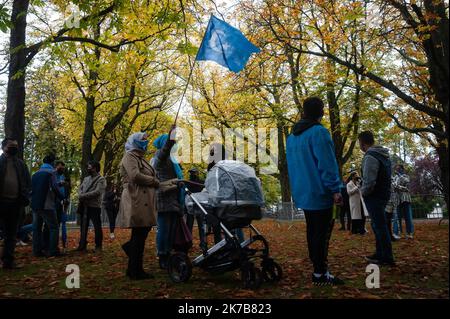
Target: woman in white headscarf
138 202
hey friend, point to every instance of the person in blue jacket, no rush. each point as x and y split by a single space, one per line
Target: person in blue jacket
44 193
315 184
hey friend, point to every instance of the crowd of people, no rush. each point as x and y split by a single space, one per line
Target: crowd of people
353 212
151 196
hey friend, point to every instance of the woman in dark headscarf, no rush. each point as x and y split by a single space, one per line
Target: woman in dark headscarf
170 199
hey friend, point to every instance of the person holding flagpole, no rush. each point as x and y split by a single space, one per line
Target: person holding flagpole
169 197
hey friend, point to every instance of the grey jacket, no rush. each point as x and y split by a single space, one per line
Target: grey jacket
92 195
401 187
165 201
370 166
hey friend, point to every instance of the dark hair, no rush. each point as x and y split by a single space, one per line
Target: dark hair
60 163
313 108
95 165
350 176
366 137
49 159
6 140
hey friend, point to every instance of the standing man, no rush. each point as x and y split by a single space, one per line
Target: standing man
44 195
63 187
315 184
344 210
404 209
90 195
376 191
15 186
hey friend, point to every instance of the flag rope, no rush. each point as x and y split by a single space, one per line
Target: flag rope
184 92
190 72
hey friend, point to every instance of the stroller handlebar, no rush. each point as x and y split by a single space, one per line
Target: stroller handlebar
185 184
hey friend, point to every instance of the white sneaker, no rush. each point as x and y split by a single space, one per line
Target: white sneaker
409 236
112 236
397 236
21 243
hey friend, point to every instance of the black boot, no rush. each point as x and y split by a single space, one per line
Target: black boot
126 248
139 276
163 259
141 271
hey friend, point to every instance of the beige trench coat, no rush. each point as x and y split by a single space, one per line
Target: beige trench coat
138 200
356 201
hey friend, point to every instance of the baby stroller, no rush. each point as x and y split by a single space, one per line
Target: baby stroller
232 199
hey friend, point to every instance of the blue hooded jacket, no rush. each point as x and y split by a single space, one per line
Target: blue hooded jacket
312 166
44 189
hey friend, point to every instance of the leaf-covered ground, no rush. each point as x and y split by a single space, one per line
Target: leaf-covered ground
422 269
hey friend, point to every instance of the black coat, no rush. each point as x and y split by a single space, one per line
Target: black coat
23 176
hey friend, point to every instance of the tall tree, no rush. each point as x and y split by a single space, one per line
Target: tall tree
21 56
412 34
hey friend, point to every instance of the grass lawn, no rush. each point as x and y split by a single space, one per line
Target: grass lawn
422 269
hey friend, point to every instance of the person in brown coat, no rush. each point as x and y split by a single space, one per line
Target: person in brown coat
138 202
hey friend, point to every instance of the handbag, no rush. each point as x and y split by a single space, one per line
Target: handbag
183 236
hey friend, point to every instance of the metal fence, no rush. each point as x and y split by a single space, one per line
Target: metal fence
429 207
423 207
284 211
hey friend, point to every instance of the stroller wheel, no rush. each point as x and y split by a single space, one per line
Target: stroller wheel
179 267
271 271
251 276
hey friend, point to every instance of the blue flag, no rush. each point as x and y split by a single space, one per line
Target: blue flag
225 45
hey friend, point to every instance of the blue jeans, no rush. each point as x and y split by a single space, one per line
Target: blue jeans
24 231
376 208
239 233
49 217
62 218
404 210
166 232
64 229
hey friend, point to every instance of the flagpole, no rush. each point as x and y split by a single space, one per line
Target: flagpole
184 92
190 72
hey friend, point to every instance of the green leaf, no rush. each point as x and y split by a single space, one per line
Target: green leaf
187 48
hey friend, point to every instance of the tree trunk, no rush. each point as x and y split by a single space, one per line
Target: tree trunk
282 166
334 114
86 147
15 101
442 151
88 133
335 124
108 164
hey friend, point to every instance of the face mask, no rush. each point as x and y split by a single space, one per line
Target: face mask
60 171
12 150
142 144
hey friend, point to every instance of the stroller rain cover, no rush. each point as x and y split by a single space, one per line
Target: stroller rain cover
233 183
